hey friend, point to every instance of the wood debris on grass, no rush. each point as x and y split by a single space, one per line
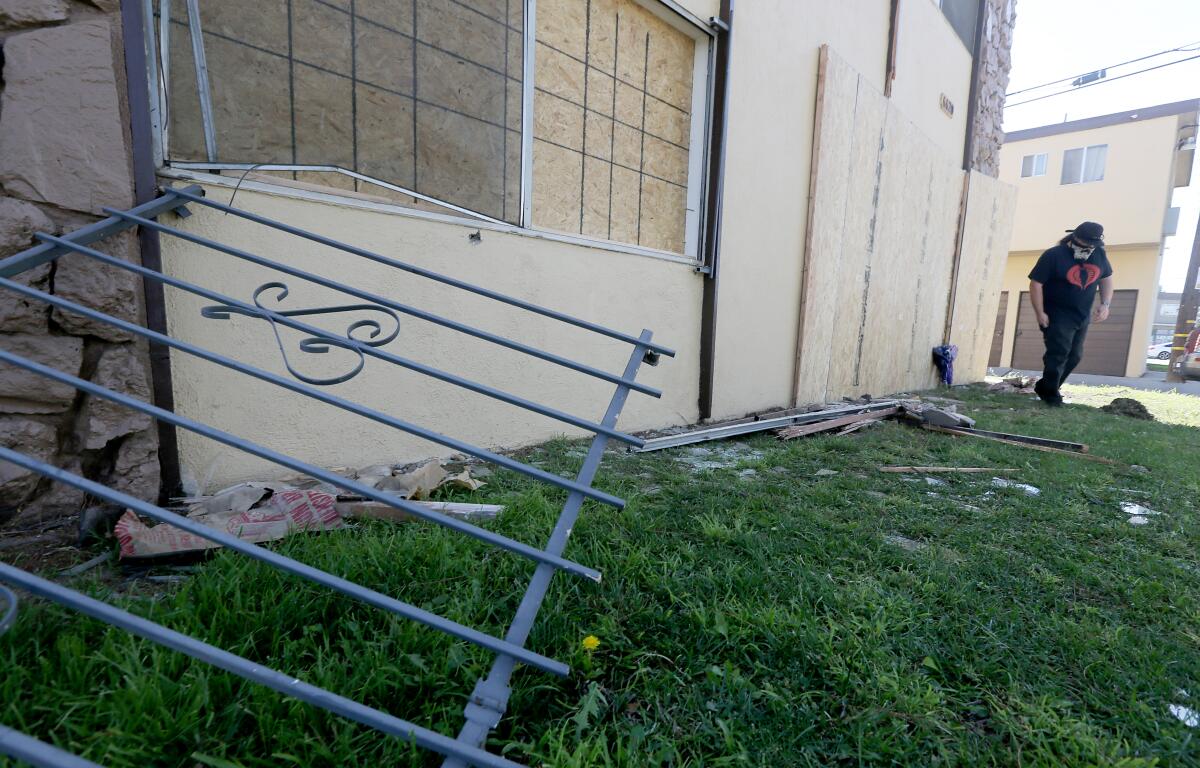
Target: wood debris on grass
856 420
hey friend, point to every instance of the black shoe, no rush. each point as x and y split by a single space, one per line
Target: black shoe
1050 398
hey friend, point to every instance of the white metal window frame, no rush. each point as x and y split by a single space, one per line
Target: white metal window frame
669 11
1037 165
1082 176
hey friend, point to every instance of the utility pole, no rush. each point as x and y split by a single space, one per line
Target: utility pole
1185 321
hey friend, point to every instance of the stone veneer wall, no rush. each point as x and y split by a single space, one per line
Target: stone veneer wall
992 84
64 153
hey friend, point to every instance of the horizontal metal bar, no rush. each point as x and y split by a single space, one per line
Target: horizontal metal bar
763 425
389 303
413 429
284 460
287 564
348 200
46 252
421 271
258 373
36 753
399 307
252 671
341 171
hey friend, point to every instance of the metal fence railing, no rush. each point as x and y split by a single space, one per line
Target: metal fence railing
363 339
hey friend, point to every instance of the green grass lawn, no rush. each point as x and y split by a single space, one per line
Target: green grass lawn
752 613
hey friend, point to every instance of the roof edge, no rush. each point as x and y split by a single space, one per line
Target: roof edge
1102 121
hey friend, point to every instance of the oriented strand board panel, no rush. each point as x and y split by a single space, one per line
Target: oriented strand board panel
878 261
991 208
612 122
424 94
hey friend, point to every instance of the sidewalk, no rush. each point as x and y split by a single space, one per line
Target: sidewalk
1152 380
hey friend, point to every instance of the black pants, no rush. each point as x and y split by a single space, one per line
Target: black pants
1064 349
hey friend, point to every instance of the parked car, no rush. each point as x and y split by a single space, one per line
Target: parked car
1191 355
1159 351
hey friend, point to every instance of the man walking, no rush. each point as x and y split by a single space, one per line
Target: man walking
1062 289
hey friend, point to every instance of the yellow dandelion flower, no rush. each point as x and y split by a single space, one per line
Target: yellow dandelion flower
591 643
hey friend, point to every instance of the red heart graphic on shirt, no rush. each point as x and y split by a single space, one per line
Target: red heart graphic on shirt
1075 275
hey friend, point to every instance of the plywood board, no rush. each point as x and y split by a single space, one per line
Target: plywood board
986 232
882 231
357 86
606 60
832 144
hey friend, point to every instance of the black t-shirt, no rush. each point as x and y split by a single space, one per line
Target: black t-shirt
1069 284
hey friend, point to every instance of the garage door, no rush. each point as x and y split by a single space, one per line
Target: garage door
998 333
1107 346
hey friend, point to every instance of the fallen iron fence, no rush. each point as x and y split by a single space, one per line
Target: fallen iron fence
364 338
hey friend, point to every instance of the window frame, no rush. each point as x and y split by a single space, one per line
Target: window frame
670 11
1083 159
1034 158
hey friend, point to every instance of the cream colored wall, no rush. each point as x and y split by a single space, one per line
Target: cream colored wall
769 158
931 61
1133 269
624 291
1130 201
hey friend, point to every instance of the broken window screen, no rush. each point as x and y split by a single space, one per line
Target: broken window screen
422 94
612 123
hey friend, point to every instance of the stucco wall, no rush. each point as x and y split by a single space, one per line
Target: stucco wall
1130 201
769 159
768 163
1133 268
932 61
624 291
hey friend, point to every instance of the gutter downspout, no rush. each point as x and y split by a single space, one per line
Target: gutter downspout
712 220
145 187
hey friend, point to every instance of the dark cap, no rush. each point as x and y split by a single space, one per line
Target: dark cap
1089 233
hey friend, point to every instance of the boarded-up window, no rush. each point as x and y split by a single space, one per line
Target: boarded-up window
421 102
612 123
422 94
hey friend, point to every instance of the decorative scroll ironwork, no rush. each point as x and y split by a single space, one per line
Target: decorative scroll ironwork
489 703
375 336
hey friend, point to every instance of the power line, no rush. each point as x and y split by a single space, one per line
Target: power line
1186 47
1102 82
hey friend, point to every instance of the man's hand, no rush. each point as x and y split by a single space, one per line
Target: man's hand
1100 313
1043 319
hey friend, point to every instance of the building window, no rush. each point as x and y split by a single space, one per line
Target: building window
1033 165
426 104
1170 310
1084 164
963 16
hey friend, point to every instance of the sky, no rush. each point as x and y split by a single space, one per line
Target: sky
1056 39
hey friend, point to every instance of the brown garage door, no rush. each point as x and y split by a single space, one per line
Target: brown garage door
1105 351
998 334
